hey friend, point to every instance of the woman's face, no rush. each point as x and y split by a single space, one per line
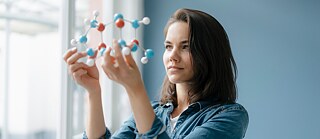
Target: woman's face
177 56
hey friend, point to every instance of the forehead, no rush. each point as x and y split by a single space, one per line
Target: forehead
177 31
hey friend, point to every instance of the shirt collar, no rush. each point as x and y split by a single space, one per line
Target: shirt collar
199 105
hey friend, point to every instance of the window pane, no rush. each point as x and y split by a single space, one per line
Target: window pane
79 104
34 69
84 9
2 75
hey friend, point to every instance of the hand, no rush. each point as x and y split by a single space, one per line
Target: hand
126 73
87 77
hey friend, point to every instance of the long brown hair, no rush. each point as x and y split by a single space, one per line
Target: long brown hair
215 70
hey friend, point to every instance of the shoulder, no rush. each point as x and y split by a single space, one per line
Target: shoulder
232 113
233 118
233 107
232 110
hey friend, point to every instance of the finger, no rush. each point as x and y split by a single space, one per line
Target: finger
109 71
107 64
68 53
110 76
76 66
75 57
77 75
109 60
119 56
130 61
107 56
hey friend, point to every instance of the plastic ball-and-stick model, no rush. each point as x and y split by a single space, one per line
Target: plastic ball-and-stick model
119 21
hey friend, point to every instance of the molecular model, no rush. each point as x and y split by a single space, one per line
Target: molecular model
119 21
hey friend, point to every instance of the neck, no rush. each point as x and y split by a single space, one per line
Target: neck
182 95
182 98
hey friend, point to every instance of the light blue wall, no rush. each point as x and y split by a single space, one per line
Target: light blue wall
276 45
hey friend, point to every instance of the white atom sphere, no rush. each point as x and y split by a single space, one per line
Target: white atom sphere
73 42
144 60
96 13
126 51
90 62
87 21
146 20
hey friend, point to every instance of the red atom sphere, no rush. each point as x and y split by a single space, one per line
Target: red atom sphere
102 45
119 23
101 27
135 41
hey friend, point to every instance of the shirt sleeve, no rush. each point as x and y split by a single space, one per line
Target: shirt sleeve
128 130
157 131
231 123
106 135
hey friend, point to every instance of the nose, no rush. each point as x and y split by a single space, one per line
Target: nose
174 55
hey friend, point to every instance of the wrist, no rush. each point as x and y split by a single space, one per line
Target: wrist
136 90
92 93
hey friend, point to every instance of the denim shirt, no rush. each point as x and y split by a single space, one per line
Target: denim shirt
200 120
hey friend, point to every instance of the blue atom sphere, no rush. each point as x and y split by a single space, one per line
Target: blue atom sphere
102 51
83 39
149 53
122 43
90 52
117 16
134 47
135 24
93 23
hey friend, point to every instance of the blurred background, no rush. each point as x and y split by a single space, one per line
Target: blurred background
276 45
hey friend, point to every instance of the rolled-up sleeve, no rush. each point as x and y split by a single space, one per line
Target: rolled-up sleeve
128 130
106 135
157 131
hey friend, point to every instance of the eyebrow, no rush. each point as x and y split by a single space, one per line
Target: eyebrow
182 42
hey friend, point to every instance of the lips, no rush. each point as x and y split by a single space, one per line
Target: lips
174 68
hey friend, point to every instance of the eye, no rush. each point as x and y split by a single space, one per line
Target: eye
185 47
168 46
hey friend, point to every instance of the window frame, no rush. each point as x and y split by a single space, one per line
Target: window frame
67 22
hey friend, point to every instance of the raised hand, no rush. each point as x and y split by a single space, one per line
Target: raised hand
126 73
87 77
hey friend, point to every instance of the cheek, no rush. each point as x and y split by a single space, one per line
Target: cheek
165 58
189 59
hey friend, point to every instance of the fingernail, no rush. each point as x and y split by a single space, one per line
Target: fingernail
74 48
112 53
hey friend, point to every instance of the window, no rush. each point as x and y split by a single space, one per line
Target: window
30 63
37 98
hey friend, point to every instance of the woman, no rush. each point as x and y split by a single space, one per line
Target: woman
198 93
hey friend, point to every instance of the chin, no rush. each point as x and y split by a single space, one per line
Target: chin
175 81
